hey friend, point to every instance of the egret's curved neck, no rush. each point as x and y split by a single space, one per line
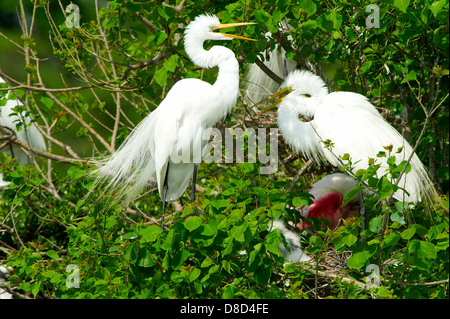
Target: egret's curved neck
227 82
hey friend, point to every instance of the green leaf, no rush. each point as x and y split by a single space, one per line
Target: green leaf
351 194
385 188
411 76
194 274
169 241
308 6
220 203
228 249
263 17
35 287
349 240
229 291
300 201
171 63
161 76
166 12
262 275
437 6
207 262
273 242
422 252
441 38
146 259
150 234
254 253
237 232
401 4
211 228
193 223
74 172
358 260
52 254
390 241
134 7
365 67
48 102
408 233
375 224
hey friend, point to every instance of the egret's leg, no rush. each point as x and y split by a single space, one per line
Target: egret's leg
165 187
362 211
194 181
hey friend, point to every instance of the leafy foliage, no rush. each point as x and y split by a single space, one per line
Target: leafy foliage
66 240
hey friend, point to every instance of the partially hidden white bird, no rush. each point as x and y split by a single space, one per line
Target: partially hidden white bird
29 134
294 252
181 124
258 84
352 123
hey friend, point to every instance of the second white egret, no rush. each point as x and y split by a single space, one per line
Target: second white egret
309 115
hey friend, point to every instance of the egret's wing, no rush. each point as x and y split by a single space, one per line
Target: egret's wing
355 127
172 147
179 140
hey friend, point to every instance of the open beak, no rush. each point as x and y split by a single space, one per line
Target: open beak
284 92
217 27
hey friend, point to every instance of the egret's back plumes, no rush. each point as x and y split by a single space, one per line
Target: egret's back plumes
129 168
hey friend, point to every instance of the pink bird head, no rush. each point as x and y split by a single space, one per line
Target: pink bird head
328 195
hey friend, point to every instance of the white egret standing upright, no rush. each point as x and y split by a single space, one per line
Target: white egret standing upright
179 124
352 123
28 134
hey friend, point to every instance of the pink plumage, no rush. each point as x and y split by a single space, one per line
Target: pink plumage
328 195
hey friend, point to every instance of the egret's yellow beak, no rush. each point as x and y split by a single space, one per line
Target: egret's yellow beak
217 27
284 92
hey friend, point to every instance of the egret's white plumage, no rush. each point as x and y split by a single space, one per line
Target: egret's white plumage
295 252
353 124
181 124
258 84
29 134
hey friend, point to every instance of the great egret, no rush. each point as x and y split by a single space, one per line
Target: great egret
28 134
258 84
329 193
352 123
181 124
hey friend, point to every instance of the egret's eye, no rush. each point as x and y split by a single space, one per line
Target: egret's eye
306 95
305 118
